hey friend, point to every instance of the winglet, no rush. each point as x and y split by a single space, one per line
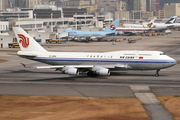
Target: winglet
150 24
24 65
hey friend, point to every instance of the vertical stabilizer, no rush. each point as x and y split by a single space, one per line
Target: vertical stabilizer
150 24
112 27
171 20
26 42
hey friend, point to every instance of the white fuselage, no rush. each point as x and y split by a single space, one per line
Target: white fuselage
124 60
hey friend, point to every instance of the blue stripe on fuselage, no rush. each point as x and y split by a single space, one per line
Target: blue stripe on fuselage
102 60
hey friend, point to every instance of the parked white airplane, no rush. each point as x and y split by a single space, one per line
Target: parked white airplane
73 63
147 25
168 24
130 29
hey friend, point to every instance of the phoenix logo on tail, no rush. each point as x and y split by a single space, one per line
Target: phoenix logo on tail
112 27
24 40
149 25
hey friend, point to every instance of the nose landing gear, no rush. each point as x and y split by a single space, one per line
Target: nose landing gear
157 73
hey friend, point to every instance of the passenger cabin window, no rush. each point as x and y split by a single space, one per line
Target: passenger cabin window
99 56
162 53
126 57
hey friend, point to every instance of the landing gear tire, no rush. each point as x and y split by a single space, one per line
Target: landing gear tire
157 73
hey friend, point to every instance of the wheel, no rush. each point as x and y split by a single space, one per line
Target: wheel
157 75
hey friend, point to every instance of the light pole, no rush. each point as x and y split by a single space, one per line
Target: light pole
18 20
76 20
85 18
133 16
126 16
35 20
63 18
51 22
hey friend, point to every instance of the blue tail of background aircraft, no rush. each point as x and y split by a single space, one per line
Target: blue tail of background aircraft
112 27
171 20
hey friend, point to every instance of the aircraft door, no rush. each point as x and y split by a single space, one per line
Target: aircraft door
137 54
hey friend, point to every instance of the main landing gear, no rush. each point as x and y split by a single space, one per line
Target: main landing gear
157 73
91 74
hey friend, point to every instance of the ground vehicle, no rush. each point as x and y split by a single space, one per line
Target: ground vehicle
55 40
13 45
131 40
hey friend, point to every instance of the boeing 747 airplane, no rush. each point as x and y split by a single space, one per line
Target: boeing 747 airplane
73 63
168 24
146 27
88 35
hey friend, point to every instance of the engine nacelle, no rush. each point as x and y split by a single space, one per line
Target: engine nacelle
101 71
76 38
70 71
82 38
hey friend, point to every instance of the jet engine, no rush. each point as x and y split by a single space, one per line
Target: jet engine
82 38
101 71
70 71
76 38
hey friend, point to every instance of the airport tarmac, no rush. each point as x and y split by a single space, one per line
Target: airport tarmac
17 80
12 73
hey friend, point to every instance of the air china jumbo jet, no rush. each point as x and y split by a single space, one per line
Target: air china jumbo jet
88 35
73 63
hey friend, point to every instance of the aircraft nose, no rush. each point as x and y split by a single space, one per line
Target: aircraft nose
173 61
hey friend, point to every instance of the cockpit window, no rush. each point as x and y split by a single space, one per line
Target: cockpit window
162 53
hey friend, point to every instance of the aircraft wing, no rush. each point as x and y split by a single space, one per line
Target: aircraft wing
79 66
110 34
170 25
60 66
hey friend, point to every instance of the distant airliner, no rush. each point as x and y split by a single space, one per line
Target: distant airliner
88 35
168 24
73 63
131 29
